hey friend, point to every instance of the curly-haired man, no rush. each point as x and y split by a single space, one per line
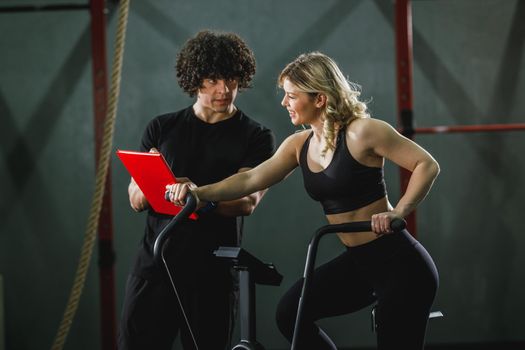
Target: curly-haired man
203 143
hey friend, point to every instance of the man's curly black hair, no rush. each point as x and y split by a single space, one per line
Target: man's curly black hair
215 56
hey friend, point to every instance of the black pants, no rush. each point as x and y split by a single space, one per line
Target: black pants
151 317
394 270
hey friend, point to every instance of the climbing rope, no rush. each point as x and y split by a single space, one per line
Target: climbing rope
100 182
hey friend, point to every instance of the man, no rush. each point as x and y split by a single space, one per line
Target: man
203 143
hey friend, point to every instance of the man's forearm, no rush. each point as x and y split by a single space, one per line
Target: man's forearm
240 207
137 200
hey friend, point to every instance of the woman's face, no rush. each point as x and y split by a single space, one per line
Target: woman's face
302 107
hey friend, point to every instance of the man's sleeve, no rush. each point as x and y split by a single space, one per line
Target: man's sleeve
151 136
261 146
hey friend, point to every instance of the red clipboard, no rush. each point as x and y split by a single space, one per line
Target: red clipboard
151 173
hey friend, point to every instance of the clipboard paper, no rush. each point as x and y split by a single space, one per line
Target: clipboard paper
151 173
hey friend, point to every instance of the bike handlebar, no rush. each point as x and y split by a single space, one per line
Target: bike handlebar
358 226
187 210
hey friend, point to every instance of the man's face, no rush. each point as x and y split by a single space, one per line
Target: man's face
218 94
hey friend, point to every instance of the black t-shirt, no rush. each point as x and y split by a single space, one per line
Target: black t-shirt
204 153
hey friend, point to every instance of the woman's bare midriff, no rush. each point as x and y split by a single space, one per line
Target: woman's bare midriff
362 214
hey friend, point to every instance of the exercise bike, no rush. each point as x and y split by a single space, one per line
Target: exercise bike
262 273
358 226
251 271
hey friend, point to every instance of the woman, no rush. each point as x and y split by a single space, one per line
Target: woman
342 158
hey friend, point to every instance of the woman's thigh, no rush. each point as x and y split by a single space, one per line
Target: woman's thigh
337 287
405 296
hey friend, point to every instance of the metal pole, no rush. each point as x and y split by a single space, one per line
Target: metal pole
404 58
105 234
247 305
471 128
41 8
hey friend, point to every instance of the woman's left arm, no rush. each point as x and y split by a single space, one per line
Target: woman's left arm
386 142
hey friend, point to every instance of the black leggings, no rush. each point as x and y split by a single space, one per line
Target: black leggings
394 270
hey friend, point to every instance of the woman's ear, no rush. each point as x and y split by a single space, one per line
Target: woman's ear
320 100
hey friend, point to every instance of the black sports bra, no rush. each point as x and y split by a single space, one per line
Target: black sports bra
344 185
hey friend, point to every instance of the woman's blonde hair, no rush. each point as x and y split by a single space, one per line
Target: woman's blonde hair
316 73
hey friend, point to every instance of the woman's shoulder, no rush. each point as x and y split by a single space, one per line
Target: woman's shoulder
299 137
367 126
294 142
369 130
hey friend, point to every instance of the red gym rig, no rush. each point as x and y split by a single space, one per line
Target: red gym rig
404 63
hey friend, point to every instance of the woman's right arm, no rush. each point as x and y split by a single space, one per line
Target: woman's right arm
268 173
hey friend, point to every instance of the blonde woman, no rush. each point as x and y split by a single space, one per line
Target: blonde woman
342 156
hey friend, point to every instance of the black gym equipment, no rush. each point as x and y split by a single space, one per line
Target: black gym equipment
359 226
251 271
160 245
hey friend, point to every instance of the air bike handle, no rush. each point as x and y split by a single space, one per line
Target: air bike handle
187 210
359 226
